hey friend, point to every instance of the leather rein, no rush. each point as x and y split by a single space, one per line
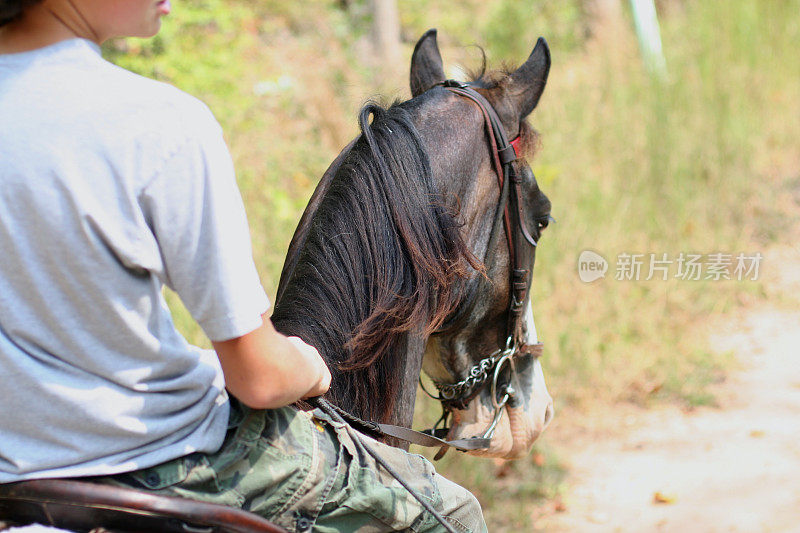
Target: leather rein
486 372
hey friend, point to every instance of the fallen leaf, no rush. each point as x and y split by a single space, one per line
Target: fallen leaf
558 505
502 468
660 497
653 388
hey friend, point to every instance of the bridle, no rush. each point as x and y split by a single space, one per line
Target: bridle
488 371
510 210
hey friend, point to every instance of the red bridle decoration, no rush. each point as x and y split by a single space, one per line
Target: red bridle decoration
515 144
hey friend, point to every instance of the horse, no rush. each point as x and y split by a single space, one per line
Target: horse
398 264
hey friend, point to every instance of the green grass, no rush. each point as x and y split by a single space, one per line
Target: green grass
691 164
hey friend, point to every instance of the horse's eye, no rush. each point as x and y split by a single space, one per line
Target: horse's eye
543 222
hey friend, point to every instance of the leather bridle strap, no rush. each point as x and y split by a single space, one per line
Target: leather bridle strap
504 153
428 438
431 440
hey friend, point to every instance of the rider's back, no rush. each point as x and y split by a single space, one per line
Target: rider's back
110 186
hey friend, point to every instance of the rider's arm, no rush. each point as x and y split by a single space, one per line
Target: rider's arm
194 209
265 369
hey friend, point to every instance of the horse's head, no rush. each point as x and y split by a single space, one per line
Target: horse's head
472 341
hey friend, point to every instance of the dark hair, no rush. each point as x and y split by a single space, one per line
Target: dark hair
12 9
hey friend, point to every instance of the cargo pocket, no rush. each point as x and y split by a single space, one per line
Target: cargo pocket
162 477
192 477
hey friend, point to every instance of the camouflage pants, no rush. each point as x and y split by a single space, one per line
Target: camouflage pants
304 471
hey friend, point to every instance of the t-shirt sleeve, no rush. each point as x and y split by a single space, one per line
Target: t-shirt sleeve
195 211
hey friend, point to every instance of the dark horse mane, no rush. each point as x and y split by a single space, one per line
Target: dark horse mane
379 260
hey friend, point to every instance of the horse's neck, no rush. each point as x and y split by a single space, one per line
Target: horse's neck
414 348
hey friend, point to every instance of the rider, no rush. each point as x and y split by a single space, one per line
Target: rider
111 186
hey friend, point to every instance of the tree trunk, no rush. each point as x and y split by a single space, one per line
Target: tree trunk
386 31
606 18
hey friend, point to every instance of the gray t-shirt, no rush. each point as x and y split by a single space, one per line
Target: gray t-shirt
112 185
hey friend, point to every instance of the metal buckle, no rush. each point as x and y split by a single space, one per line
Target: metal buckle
507 356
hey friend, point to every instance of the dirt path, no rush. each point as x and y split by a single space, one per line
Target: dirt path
731 468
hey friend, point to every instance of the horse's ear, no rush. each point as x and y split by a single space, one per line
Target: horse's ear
528 81
426 64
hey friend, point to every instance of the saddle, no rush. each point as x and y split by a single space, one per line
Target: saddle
83 506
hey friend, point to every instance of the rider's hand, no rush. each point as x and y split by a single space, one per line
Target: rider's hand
315 359
265 369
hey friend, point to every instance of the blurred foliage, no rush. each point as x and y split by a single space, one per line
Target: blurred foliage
505 29
691 164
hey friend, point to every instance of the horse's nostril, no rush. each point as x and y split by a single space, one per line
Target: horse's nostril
548 414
